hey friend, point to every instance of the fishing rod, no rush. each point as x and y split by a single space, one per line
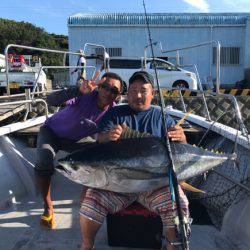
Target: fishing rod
172 175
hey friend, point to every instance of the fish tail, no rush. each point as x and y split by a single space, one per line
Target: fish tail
189 187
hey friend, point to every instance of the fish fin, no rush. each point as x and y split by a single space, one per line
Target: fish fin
188 187
130 133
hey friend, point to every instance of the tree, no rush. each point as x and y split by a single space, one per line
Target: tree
24 33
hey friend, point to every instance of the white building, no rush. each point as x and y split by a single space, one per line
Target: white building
126 35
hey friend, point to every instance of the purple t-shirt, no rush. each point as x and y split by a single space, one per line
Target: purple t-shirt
79 119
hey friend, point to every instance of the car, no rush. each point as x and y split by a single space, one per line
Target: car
169 75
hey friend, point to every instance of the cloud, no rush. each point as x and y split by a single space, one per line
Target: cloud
201 5
240 5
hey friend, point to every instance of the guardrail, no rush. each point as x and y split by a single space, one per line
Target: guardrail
30 48
227 96
59 67
218 52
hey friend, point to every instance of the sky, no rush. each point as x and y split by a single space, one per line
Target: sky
52 15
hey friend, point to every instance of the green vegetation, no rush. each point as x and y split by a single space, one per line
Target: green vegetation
24 33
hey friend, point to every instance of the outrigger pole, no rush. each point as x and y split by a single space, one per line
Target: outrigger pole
182 227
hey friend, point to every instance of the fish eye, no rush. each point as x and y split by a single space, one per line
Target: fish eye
75 167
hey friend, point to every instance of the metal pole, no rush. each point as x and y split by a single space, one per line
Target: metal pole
182 101
178 58
64 59
28 105
218 67
203 95
7 72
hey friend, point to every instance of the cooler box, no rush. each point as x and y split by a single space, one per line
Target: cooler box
134 226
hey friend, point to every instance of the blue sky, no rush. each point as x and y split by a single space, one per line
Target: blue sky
52 14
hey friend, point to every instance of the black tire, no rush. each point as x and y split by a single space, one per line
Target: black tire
2 91
181 84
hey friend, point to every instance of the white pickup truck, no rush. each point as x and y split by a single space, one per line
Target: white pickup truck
21 78
169 75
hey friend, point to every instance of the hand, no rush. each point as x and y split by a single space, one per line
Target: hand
115 133
98 83
86 86
176 133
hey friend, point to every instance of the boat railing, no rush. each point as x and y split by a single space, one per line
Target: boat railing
31 48
15 96
232 98
200 87
105 55
218 53
59 67
29 101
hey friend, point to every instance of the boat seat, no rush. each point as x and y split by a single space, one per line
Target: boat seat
134 226
136 209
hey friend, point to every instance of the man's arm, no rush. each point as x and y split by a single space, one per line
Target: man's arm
59 97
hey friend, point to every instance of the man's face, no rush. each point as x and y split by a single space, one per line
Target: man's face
109 90
140 95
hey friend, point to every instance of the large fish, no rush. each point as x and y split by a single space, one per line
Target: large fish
135 164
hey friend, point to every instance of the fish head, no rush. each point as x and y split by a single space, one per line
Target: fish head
87 175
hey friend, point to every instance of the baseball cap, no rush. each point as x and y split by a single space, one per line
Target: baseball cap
143 76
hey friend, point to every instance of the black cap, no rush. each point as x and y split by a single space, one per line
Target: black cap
143 76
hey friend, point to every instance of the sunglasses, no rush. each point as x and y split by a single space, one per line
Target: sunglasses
112 89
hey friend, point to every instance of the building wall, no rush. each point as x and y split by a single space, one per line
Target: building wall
133 39
247 51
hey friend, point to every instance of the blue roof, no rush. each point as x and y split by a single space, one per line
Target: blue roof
159 19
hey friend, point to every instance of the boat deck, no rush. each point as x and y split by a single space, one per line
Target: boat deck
20 229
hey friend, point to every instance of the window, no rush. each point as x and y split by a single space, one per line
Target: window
111 51
164 66
124 63
228 56
171 59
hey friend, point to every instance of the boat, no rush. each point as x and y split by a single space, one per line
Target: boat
226 203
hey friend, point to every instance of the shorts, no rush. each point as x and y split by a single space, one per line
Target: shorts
98 203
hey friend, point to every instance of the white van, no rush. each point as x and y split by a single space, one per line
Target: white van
169 75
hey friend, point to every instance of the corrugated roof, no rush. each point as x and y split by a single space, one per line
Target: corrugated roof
159 19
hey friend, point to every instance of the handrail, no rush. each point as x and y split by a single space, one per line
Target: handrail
23 94
234 102
218 52
32 101
237 110
104 52
58 67
30 48
201 88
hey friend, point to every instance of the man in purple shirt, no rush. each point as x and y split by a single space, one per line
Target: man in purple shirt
76 121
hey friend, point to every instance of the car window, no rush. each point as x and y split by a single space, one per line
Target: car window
165 66
124 64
